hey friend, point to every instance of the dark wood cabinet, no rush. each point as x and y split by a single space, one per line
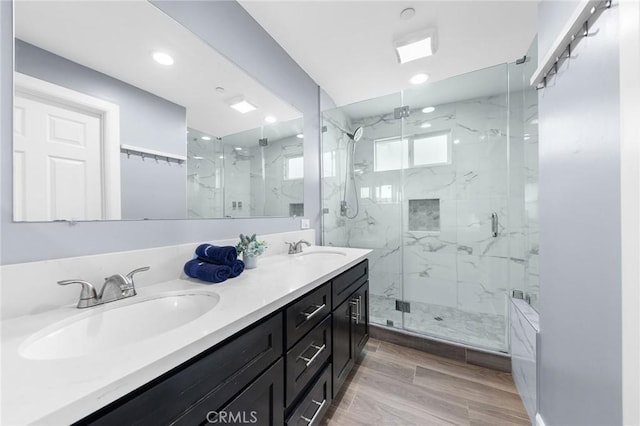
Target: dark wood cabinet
216 375
286 365
307 358
315 402
361 326
262 403
350 333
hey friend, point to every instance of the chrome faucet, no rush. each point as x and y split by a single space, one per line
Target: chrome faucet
295 248
115 287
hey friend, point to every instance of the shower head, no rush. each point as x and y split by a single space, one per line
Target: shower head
356 135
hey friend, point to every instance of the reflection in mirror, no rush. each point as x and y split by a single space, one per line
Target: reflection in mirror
265 166
100 118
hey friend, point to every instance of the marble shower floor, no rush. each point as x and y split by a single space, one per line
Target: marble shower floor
485 331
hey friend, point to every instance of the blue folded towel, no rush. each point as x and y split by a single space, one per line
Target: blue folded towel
236 268
221 255
204 271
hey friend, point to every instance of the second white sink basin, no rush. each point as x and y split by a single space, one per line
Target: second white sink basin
320 254
115 324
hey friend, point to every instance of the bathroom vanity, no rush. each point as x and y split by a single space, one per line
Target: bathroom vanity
275 349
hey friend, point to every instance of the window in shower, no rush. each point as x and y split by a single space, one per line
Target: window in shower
427 149
431 149
294 168
424 215
388 154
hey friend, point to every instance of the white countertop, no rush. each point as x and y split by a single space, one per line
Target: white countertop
66 390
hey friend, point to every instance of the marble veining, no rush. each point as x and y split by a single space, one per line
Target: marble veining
481 330
453 266
524 327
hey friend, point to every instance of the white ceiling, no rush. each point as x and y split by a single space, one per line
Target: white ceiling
346 46
117 38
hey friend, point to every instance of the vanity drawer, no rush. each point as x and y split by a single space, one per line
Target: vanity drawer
218 374
347 282
306 313
306 358
315 403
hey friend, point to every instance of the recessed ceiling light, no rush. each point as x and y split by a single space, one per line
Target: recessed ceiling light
221 157
534 121
419 78
407 13
162 58
242 106
270 119
300 136
456 141
415 46
237 148
206 138
425 125
187 132
427 110
198 158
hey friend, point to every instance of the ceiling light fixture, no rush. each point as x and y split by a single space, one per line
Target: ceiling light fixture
415 46
427 110
206 138
407 13
237 148
270 119
197 157
162 58
425 125
419 78
300 136
242 106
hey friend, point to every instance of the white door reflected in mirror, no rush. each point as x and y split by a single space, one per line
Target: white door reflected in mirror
65 155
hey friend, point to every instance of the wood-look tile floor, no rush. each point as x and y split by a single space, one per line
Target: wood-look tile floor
394 385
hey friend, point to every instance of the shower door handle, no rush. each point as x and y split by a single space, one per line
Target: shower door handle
494 224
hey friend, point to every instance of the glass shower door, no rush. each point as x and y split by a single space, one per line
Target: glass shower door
362 195
455 209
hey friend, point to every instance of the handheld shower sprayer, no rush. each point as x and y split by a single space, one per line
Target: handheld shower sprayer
353 138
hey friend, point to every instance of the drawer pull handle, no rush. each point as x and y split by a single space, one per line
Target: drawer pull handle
320 407
313 358
356 304
310 315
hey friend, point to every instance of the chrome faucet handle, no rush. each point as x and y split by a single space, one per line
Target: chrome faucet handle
130 275
88 295
292 247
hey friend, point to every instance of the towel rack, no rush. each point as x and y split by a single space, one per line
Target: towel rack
153 154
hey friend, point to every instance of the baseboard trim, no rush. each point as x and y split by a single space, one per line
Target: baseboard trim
459 353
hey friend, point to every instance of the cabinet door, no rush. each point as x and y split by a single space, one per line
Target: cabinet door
361 318
262 403
343 346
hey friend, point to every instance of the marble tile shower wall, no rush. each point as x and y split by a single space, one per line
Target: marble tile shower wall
334 145
271 193
204 180
461 266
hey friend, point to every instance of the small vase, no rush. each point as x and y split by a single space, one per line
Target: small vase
250 262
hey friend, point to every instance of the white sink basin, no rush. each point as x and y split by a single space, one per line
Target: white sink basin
320 254
116 324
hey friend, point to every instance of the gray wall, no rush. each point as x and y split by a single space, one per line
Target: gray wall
149 189
580 372
232 31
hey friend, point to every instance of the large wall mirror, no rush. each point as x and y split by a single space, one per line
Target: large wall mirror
122 113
